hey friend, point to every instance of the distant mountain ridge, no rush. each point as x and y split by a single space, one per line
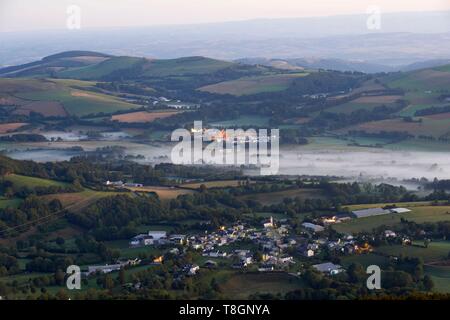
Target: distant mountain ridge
403 38
340 65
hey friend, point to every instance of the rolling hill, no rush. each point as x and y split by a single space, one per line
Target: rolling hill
56 97
254 85
86 65
54 64
427 111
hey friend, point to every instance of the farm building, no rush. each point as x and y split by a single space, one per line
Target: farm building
107 268
370 212
328 267
114 183
400 210
177 238
141 240
133 185
153 237
157 235
312 227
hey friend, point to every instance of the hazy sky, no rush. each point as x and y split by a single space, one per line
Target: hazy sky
20 15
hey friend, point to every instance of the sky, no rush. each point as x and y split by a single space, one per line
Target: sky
27 15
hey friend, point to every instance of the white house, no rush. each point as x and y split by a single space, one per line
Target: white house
390 234
308 253
191 269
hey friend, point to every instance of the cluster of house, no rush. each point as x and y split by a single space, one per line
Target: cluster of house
273 239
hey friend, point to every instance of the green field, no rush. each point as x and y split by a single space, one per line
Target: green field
10 203
214 184
277 197
426 79
184 66
130 253
240 286
430 126
71 94
254 84
350 107
440 276
365 260
243 121
32 182
436 251
419 214
78 102
102 69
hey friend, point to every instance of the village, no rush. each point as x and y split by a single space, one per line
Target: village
272 246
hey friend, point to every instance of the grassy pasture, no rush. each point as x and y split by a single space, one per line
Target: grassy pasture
243 121
33 182
79 200
419 214
276 197
164 193
365 102
445 68
10 203
215 184
426 79
240 286
127 252
440 276
435 126
183 66
143 116
58 97
436 251
46 108
365 260
352 106
253 85
9 127
102 69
